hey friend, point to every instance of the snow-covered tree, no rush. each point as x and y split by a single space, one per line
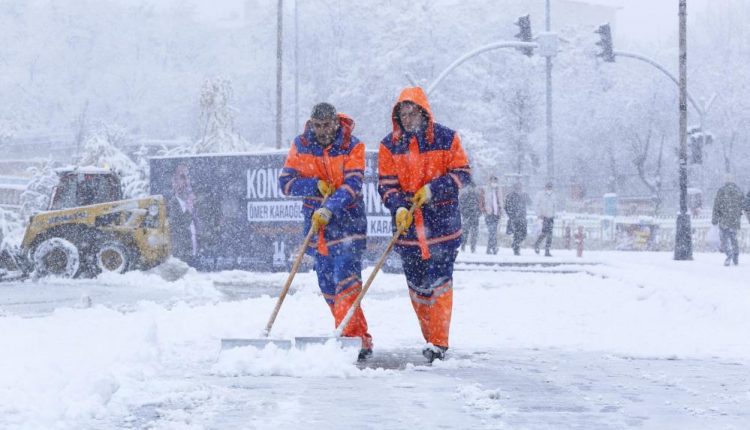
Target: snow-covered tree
521 109
11 229
486 157
36 196
217 119
103 149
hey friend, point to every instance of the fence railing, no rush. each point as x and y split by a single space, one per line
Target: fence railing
636 232
602 232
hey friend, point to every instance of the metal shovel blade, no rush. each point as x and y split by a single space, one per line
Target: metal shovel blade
344 342
256 343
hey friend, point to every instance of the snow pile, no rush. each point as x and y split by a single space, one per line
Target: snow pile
478 400
67 366
324 360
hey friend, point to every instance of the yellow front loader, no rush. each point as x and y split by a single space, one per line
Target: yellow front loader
89 229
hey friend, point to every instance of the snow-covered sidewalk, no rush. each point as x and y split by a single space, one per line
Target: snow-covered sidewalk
637 340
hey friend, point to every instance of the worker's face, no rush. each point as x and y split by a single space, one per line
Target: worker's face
411 117
324 130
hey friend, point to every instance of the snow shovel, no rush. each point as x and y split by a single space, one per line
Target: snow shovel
350 342
265 341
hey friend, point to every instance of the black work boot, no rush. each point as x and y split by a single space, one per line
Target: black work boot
547 254
433 352
364 354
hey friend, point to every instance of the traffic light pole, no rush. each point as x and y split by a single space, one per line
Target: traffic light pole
472 54
700 110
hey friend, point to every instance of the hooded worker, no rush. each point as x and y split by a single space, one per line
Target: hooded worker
422 163
328 160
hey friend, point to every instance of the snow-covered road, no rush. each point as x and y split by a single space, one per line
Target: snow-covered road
637 340
499 388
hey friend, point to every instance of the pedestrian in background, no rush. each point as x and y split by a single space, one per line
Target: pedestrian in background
515 207
491 207
727 214
470 211
546 206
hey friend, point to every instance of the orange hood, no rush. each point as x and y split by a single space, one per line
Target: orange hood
417 96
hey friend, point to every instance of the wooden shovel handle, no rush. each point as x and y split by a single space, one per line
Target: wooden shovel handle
289 279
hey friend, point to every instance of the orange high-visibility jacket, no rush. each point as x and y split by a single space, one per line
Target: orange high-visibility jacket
341 164
408 161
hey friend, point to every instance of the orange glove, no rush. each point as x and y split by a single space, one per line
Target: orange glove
403 219
422 196
325 188
320 218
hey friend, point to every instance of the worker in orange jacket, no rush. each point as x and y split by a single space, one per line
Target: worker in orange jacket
422 163
328 160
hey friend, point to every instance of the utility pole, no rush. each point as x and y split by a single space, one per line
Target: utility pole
683 244
296 67
279 52
550 140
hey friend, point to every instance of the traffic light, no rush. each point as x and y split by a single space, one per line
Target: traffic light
607 54
697 139
696 150
524 33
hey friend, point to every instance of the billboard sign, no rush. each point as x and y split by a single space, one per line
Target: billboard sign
227 211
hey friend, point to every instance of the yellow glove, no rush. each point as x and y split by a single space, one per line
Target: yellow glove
403 219
422 197
325 188
320 218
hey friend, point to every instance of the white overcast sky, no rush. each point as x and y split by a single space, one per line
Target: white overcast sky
645 21
639 21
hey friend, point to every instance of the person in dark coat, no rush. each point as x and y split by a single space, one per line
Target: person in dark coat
727 214
515 207
546 206
470 209
491 205
181 214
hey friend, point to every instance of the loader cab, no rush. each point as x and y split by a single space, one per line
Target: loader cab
83 187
